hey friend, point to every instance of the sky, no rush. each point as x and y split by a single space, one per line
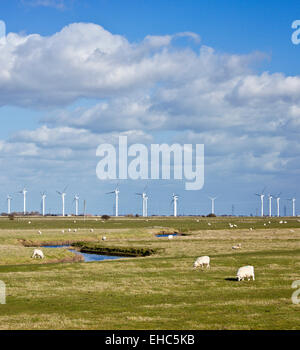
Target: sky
77 74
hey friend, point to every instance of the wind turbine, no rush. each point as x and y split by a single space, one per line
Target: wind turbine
76 199
63 194
24 191
261 195
212 204
175 200
270 204
116 192
9 198
277 197
145 203
293 200
43 202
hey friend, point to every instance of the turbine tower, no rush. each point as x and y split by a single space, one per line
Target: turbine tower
76 199
270 204
261 195
175 200
145 203
277 197
9 198
116 192
43 202
24 191
212 204
293 200
63 194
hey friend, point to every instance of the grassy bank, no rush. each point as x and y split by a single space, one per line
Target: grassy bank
100 248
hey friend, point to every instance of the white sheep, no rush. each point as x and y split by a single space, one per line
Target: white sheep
170 236
75 230
38 253
69 230
201 261
250 228
245 272
238 246
103 238
209 224
62 231
39 232
91 230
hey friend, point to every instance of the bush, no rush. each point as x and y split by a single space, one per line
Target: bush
11 216
105 217
211 215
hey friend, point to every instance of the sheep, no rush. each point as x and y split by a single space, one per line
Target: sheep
250 228
238 246
62 231
103 238
201 261
39 232
170 236
29 222
91 230
209 224
234 225
38 253
75 230
69 230
245 272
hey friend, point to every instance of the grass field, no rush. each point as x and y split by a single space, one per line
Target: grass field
161 291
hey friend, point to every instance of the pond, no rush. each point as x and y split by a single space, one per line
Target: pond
166 234
87 257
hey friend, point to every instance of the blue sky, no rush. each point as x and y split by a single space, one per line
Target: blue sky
231 81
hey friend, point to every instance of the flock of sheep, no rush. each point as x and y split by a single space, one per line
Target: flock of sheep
242 273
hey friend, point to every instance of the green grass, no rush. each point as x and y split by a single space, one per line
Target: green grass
161 291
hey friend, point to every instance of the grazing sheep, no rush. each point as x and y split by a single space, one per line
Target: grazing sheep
250 228
39 232
69 230
238 246
38 253
285 222
201 261
245 272
62 231
103 238
281 222
75 230
29 222
91 230
209 224
234 225
230 225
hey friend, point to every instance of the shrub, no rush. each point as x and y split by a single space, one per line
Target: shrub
211 215
105 217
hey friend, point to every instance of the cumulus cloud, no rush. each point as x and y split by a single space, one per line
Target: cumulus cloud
147 87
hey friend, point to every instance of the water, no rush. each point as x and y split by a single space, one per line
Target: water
167 234
87 257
